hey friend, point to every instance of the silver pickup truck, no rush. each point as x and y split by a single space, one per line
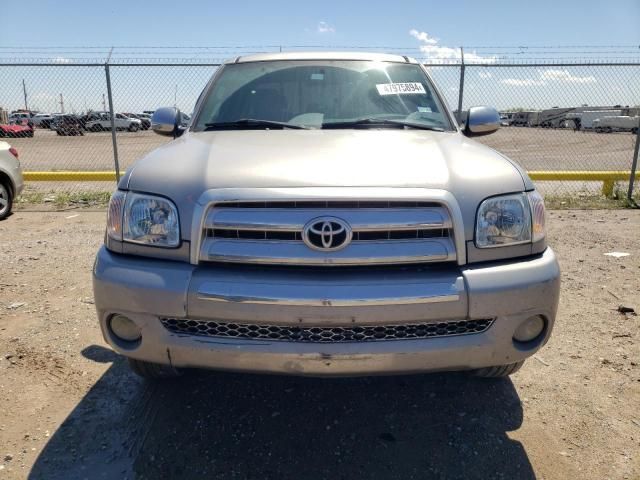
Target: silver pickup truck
324 214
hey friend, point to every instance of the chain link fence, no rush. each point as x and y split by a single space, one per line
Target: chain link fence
547 109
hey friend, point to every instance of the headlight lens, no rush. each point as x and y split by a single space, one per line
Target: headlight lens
510 220
504 220
150 220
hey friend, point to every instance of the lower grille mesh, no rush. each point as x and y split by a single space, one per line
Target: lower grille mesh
209 328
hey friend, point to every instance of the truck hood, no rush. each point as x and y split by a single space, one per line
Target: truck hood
184 168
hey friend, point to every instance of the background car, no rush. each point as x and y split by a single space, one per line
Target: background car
53 123
69 125
11 181
102 121
20 117
15 130
145 121
42 120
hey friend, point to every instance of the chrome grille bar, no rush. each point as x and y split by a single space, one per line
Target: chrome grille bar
295 219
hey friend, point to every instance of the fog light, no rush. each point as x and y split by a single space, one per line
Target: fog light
124 328
529 329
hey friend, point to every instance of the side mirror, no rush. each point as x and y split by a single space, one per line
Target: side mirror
167 121
481 121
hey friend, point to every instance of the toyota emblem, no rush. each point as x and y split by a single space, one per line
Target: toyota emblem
327 234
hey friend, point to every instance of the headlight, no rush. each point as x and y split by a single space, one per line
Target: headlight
510 220
504 220
144 219
150 220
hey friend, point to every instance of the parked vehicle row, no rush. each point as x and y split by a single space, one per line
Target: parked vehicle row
90 121
601 120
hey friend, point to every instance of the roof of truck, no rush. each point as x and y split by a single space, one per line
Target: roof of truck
376 57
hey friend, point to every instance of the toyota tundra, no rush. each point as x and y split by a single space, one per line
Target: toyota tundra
325 214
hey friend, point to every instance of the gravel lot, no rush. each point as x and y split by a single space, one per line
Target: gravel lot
71 409
534 148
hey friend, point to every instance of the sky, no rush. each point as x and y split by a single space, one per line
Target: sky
425 29
371 22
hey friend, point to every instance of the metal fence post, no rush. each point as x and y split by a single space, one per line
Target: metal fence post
634 166
461 87
112 116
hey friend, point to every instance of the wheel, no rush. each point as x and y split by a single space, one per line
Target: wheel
598 130
153 371
498 370
6 201
133 127
59 132
634 130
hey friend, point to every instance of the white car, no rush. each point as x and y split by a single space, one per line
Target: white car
11 182
102 121
42 120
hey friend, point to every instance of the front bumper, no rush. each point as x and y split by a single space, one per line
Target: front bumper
147 289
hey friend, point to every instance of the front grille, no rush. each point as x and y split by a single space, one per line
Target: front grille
368 333
372 235
382 232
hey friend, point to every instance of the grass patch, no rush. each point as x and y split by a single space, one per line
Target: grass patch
65 199
591 202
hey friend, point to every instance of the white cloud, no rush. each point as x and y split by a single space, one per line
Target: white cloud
442 54
324 27
525 82
484 74
565 76
423 37
547 76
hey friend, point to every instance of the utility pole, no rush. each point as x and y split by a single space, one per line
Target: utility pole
461 87
175 97
104 104
24 90
61 104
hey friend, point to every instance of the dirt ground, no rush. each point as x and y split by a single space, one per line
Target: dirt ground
70 408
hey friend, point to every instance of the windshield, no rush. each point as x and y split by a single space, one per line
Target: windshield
319 93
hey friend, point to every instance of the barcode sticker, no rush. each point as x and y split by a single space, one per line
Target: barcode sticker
400 88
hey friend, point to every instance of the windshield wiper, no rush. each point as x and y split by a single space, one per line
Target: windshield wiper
376 122
250 123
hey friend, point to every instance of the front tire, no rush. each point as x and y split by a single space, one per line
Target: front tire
498 371
133 127
153 371
6 200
